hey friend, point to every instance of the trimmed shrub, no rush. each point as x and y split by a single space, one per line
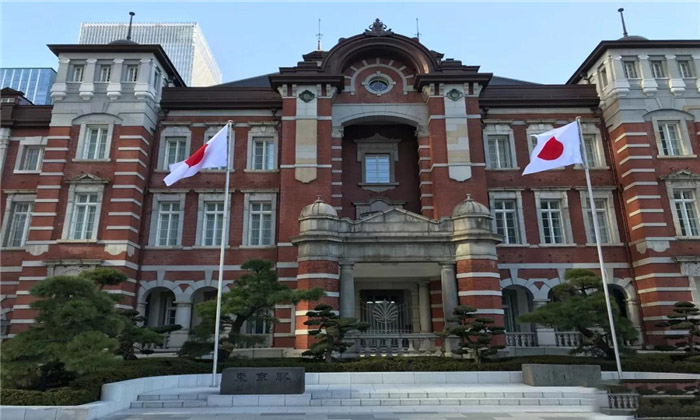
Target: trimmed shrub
669 407
58 396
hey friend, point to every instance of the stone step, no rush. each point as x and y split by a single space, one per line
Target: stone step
169 404
439 394
173 397
306 400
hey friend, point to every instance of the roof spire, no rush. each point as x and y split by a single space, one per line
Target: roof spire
622 17
131 20
319 35
417 30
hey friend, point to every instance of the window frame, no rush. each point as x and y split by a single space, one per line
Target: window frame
172 131
684 144
378 145
500 130
127 68
73 70
257 197
100 70
83 187
689 67
658 68
680 224
378 177
202 200
603 76
25 143
611 216
11 200
634 63
562 196
82 141
154 231
520 218
262 131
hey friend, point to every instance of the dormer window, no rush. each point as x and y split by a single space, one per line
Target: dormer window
77 73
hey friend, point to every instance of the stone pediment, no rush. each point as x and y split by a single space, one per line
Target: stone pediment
682 175
87 179
395 222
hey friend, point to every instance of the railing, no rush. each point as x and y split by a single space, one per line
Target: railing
627 401
521 339
567 338
398 344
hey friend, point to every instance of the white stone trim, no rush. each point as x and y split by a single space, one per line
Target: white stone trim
9 201
93 120
173 131
31 141
263 131
79 188
258 197
675 116
201 200
565 215
155 212
688 183
510 195
499 130
607 195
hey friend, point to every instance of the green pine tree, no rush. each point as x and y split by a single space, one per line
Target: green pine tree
685 317
330 332
475 333
580 306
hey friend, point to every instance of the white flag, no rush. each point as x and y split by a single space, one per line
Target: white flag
556 148
213 154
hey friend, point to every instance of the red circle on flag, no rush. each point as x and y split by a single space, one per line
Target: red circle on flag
196 157
552 150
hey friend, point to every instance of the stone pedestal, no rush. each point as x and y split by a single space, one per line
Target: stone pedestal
247 381
561 375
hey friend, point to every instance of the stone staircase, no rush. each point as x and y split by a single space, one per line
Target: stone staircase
517 396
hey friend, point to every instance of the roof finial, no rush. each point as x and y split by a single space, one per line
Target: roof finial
319 35
417 30
469 197
622 16
131 20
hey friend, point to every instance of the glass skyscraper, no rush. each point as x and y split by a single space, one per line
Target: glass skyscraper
35 83
183 42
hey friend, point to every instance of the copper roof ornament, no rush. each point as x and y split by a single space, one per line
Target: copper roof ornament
378 28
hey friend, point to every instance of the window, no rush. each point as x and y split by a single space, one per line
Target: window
168 229
18 224
377 169
657 69
684 69
77 73
212 223
264 154
601 210
105 73
30 160
505 214
132 73
630 68
669 136
94 145
500 156
590 146
84 218
156 79
175 151
260 224
551 219
603 76
685 204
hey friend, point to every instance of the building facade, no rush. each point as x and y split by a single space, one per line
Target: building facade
184 43
378 170
34 83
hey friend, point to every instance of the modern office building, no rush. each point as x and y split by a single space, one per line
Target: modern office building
184 44
35 83
378 170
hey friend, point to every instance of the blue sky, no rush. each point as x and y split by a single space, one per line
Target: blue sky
540 42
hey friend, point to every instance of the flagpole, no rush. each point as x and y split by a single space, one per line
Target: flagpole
596 231
221 255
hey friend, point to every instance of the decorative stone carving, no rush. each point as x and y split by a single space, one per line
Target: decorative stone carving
307 96
378 28
454 94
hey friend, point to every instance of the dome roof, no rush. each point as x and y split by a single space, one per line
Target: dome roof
633 38
318 209
470 207
123 42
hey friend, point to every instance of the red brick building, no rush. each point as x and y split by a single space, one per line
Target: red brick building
378 170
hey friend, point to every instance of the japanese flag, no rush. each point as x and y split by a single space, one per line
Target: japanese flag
213 154
556 148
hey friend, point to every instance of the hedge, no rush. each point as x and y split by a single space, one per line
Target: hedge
87 387
58 396
669 407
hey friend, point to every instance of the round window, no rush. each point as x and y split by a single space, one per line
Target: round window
378 85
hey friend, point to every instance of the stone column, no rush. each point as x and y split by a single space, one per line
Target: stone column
183 317
449 289
675 81
347 290
633 314
87 87
696 58
546 336
143 82
58 89
114 89
649 85
620 85
4 141
424 306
